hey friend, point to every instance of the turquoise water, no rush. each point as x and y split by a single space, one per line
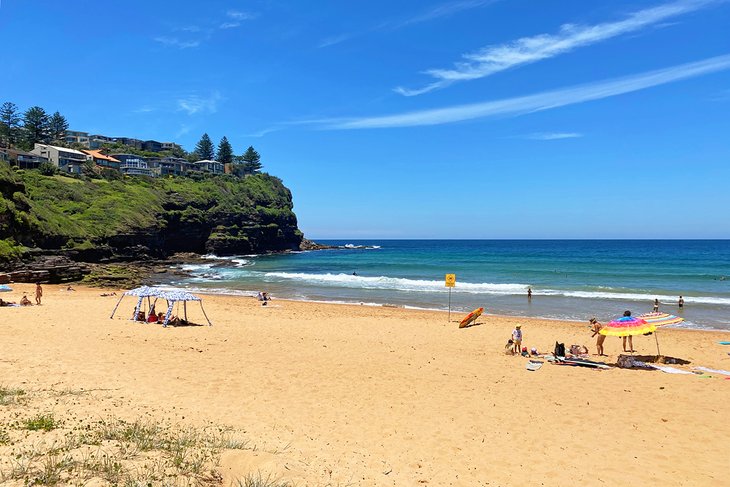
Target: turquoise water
570 279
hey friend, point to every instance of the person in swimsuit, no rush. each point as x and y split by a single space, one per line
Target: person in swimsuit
630 338
681 302
656 306
38 293
596 328
517 339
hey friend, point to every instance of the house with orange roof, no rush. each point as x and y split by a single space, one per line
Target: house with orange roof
103 160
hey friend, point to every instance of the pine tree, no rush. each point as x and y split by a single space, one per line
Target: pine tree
251 161
57 126
225 151
36 125
204 148
9 124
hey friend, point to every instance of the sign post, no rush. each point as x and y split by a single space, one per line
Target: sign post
450 282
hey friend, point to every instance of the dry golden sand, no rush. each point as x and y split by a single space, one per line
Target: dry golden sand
355 395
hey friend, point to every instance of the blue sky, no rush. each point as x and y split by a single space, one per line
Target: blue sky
414 119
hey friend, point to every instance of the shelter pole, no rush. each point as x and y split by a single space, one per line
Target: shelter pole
206 316
449 305
115 307
185 309
136 309
657 344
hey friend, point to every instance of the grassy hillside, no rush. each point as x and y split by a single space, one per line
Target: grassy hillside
220 214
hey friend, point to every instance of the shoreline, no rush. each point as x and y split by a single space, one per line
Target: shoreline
252 294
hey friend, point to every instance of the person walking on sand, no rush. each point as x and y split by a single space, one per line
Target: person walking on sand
38 293
656 306
596 328
680 303
517 339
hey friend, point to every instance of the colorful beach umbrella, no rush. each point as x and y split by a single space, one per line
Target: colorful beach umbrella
660 319
627 326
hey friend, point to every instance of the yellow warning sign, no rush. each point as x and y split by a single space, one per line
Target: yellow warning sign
450 280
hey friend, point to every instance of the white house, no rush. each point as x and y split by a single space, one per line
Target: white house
67 160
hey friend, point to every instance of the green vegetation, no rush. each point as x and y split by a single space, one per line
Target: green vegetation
45 422
224 214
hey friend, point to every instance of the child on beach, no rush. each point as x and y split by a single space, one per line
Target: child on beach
38 293
517 339
596 328
509 349
24 301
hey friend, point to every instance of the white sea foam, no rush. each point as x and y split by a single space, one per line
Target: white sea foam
196 267
417 285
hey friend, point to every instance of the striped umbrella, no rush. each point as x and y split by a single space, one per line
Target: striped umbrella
660 319
627 326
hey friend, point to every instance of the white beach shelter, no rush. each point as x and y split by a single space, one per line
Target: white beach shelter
172 297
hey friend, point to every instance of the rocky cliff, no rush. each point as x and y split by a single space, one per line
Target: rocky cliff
97 220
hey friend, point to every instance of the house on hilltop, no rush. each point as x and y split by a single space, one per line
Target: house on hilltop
102 160
133 165
67 160
209 166
22 159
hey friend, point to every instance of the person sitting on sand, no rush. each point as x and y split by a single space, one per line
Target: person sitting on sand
69 288
152 318
596 328
24 301
509 348
160 317
140 315
517 338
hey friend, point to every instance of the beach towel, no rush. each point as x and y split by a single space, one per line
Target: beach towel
534 365
669 370
714 371
724 343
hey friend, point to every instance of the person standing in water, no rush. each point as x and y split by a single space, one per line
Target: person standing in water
656 306
680 303
529 293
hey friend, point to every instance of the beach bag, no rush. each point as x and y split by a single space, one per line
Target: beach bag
559 349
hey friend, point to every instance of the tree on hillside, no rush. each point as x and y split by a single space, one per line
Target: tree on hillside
9 123
251 161
204 148
57 126
36 125
225 151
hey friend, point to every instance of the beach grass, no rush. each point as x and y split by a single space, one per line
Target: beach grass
45 449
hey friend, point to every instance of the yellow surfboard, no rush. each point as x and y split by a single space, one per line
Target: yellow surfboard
471 317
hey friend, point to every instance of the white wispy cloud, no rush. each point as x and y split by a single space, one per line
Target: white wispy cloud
331 41
229 25
176 42
263 132
437 12
194 104
495 58
241 15
537 102
552 135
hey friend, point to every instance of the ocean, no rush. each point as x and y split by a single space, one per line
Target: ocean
569 279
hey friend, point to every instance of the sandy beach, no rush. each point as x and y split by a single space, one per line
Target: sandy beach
335 395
